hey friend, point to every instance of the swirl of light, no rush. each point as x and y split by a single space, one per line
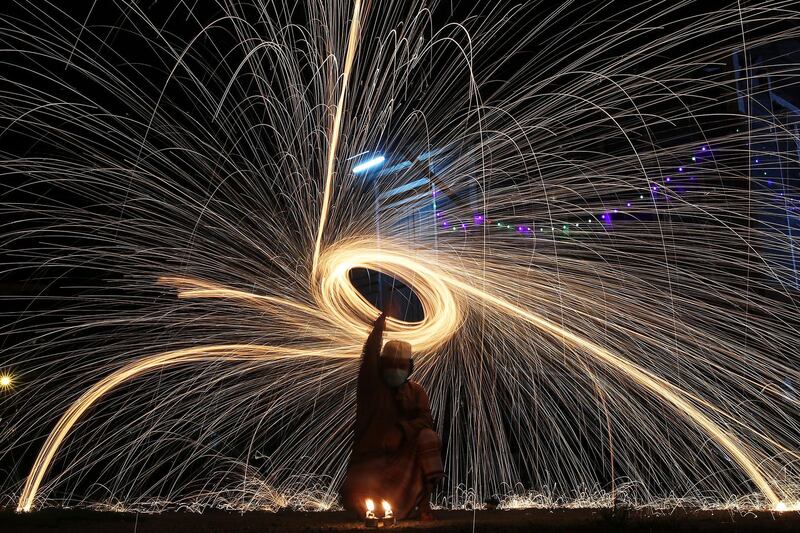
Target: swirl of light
341 302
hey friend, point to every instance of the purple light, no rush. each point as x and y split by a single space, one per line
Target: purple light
463 225
628 204
604 216
478 219
769 182
704 148
444 223
668 179
654 188
438 213
528 229
680 169
757 161
616 210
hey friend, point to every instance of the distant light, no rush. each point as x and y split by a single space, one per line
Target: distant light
669 179
368 164
628 204
5 381
757 161
694 158
704 148
680 169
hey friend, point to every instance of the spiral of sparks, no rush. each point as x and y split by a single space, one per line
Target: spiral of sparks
607 280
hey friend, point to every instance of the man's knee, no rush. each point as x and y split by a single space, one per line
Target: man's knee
429 455
428 438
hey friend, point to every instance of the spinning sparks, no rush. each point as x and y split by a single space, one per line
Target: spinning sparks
602 247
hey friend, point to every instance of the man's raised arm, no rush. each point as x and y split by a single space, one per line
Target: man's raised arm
368 373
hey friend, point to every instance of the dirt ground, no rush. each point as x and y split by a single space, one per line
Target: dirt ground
538 520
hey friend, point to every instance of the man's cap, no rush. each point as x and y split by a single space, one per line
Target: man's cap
396 350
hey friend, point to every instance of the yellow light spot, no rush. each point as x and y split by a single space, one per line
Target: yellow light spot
782 507
5 381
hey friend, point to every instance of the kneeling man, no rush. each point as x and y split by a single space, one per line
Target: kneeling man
396 453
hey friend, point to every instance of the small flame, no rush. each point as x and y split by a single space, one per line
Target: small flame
370 505
386 507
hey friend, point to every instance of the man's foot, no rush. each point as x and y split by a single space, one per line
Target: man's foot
425 515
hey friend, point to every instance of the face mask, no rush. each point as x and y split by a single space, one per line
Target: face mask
394 377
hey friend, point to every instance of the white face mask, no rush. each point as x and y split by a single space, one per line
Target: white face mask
394 377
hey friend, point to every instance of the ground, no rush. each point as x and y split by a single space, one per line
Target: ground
539 520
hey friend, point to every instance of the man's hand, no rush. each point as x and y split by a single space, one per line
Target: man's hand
393 439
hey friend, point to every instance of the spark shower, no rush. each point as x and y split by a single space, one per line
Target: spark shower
601 239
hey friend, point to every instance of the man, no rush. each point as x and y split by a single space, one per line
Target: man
396 454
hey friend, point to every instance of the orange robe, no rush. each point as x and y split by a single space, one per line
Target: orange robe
373 471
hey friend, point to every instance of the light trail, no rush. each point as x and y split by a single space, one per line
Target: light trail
200 354
335 132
